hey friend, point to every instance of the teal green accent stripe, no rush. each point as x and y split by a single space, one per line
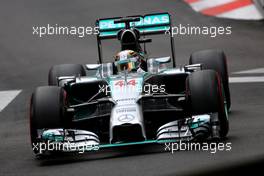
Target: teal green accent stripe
137 143
197 124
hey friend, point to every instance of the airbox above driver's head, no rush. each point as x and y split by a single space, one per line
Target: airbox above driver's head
129 39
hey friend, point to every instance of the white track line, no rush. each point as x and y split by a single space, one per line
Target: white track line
6 97
245 13
251 71
248 79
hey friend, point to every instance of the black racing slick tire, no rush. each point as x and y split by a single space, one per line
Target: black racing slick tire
47 110
64 70
215 60
205 95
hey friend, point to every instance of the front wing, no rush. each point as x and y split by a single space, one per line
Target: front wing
200 127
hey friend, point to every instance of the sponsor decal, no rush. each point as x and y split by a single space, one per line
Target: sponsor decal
126 118
126 110
146 21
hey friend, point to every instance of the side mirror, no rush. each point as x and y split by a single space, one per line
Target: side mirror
163 60
156 65
93 66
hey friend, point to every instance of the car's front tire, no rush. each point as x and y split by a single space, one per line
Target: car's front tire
205 95
215 60
47 110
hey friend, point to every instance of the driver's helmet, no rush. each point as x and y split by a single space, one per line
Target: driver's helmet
127 60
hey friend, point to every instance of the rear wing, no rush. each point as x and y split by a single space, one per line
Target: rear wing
149 24
157 23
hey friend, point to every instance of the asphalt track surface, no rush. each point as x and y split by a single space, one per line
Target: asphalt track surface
25 60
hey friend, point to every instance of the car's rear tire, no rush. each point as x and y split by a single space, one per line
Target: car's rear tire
215 60
64 70
47 110
205 95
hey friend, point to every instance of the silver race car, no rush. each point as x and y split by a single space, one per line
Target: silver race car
133 100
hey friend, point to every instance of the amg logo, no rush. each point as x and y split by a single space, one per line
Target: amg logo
126 110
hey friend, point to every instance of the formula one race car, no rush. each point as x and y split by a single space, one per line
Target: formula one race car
133 100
